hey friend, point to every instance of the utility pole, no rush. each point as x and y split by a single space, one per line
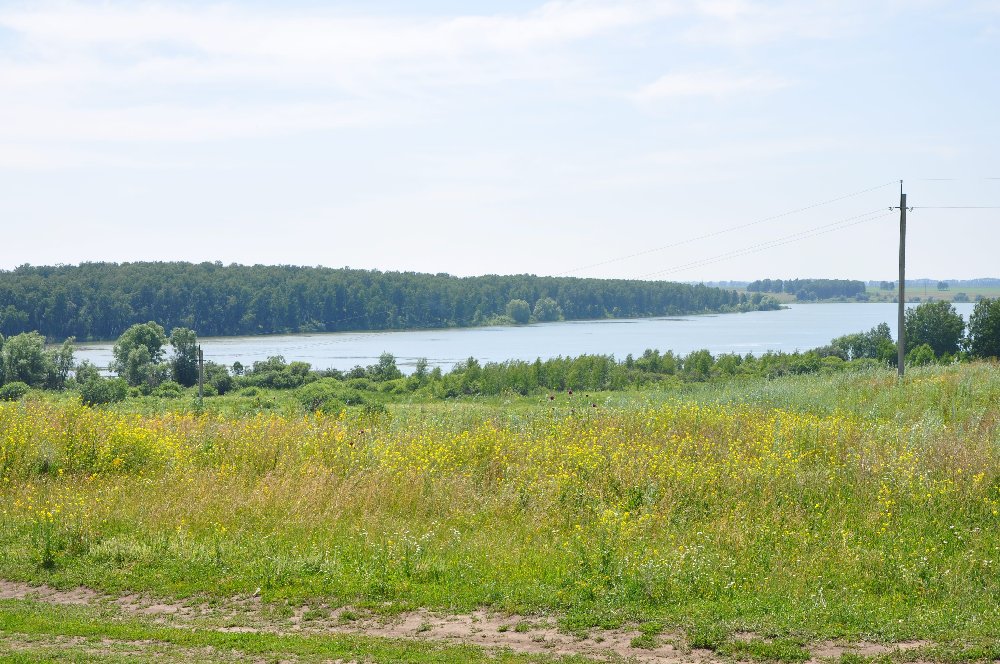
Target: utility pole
900 324
201 375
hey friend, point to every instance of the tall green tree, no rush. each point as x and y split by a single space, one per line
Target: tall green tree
547 309
518 311
984 328
386 368
59 364
184 362
138 354
936 324
23 359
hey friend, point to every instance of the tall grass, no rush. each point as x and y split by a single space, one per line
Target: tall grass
834 506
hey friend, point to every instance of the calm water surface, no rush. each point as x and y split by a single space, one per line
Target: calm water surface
799 327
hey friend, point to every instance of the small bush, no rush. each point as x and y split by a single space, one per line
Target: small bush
98 391
325 395
921 355
169 390
13 391
363 384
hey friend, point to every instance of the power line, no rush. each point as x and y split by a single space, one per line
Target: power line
725 230
956 207
777 242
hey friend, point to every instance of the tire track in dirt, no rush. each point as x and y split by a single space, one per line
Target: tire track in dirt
486 629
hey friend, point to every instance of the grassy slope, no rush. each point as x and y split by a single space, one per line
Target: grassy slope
811 506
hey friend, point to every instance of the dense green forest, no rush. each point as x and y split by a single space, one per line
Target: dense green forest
101 300
810 289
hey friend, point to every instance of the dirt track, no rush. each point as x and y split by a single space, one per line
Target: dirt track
521 634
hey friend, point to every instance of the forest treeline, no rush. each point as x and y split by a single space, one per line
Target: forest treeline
95 301
810 289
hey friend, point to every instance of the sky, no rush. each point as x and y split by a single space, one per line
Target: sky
653 139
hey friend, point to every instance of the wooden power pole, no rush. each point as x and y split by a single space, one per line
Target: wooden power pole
201 375
901 326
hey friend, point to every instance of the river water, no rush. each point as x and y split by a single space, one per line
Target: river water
799 327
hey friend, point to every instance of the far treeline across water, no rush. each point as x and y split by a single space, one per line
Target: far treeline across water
811 289
95 301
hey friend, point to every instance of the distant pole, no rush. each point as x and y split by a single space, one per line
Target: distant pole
901 327
201 374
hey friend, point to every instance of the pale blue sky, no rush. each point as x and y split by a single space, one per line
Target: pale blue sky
502 137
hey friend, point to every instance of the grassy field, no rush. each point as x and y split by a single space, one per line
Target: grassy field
794 511
930 292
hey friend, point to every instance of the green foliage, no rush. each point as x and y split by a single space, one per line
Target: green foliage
518 311
810 289
217 375
169 389
59 364
101 300
24 360
275 373
698 365
138 354
98 391
184 363
921 355
936 324
322 395
984 328
14 391
778 650
876 344
385 369
86 371
547 310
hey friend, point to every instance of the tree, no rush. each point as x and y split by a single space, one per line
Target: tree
184 363
984 328
138 352
519 311
386 368
217 376
919 356
547 309
97 391
86 371
936 324
23 359
875 344
698 364
59 363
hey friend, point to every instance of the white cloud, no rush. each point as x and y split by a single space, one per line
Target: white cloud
76 71
717 84
290 37
164 122
743 23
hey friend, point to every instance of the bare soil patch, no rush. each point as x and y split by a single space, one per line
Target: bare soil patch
492 630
